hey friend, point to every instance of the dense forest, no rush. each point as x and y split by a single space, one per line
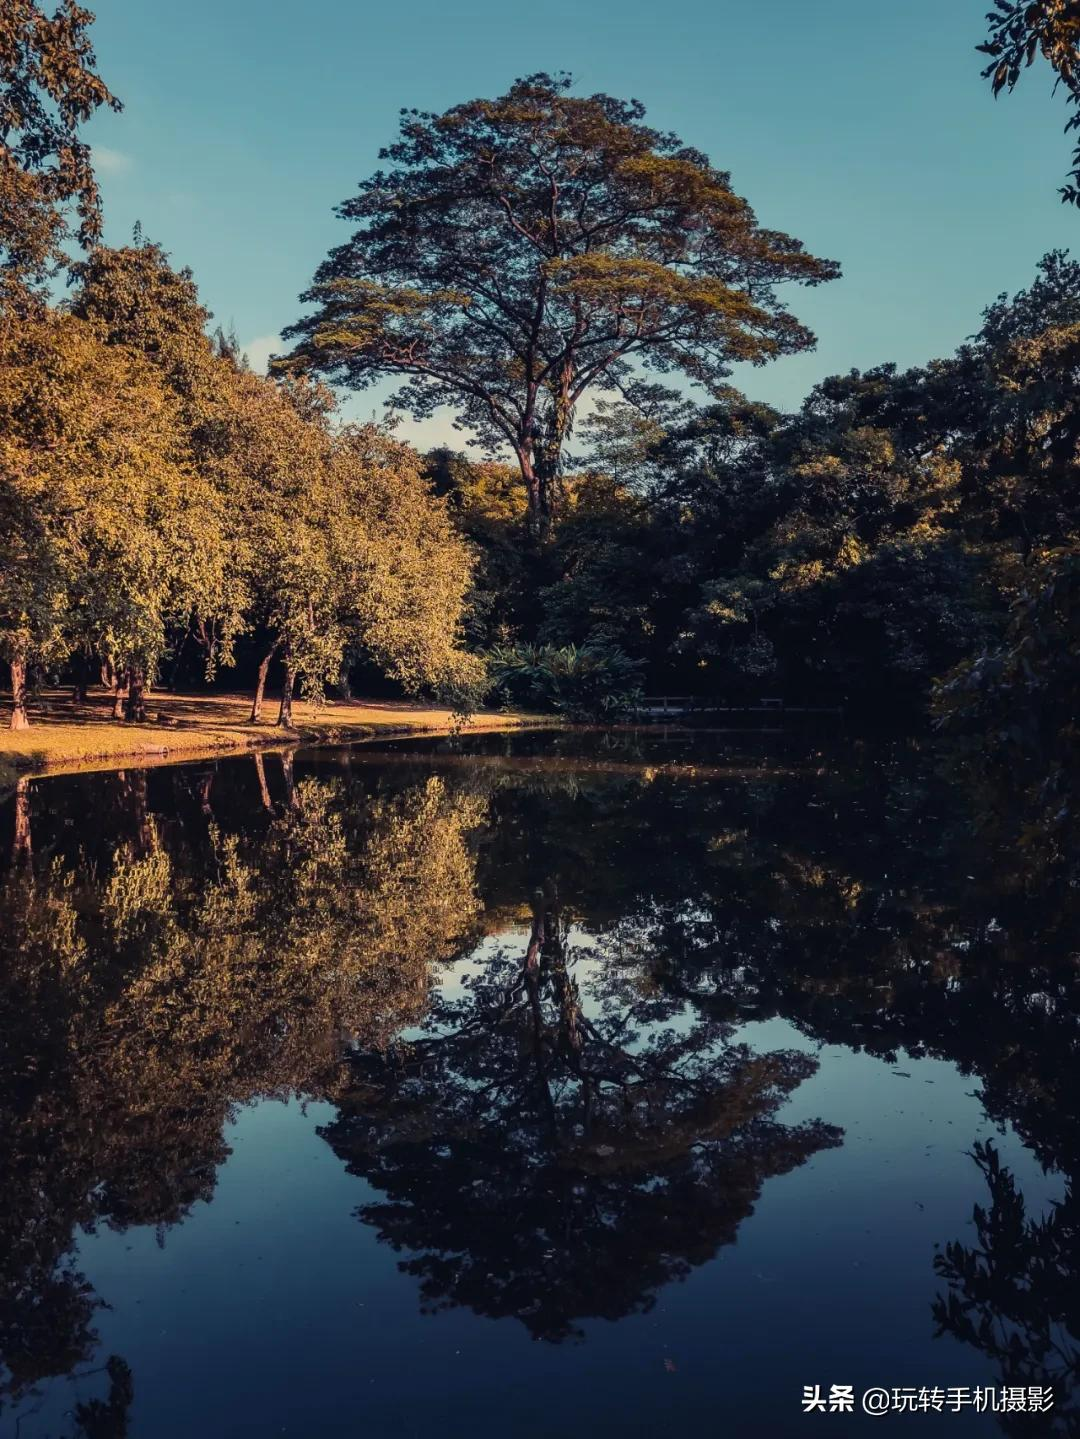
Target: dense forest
578 288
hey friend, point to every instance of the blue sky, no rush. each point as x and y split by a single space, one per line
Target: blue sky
861 126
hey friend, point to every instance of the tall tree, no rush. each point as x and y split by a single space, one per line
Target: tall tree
520 252
48 87
135 300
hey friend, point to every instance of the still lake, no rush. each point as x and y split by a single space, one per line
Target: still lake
537 1084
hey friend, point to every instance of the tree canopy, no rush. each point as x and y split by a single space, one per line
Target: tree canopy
863 545
109 535
519 253
154 491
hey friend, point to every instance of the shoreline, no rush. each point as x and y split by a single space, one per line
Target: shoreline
65 737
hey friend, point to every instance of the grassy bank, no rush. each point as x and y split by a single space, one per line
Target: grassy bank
65 735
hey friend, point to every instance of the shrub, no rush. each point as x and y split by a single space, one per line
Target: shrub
592 682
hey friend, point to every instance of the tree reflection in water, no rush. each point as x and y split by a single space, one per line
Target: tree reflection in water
548 1164
145 998
578 1122
1015 1294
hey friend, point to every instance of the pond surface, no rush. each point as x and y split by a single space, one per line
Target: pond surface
542 1084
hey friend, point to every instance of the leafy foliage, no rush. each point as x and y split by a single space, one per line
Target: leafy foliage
519 252
595 682
48 87
110 535
155 490
860 548
1018 31
1011 1293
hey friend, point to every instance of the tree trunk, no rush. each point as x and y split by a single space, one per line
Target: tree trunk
285 713
540 471
179 661
547 480
135 712
19 718
290 785
133 788
84 674
532 981
22 849
532 515
260 686
119 694
264 788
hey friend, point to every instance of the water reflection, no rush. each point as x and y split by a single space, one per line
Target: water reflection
147 994
1015 1292
556 1129
550 1160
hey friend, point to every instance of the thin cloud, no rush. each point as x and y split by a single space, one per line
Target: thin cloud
110 161
259 350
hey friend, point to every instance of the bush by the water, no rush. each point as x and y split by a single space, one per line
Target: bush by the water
590 682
